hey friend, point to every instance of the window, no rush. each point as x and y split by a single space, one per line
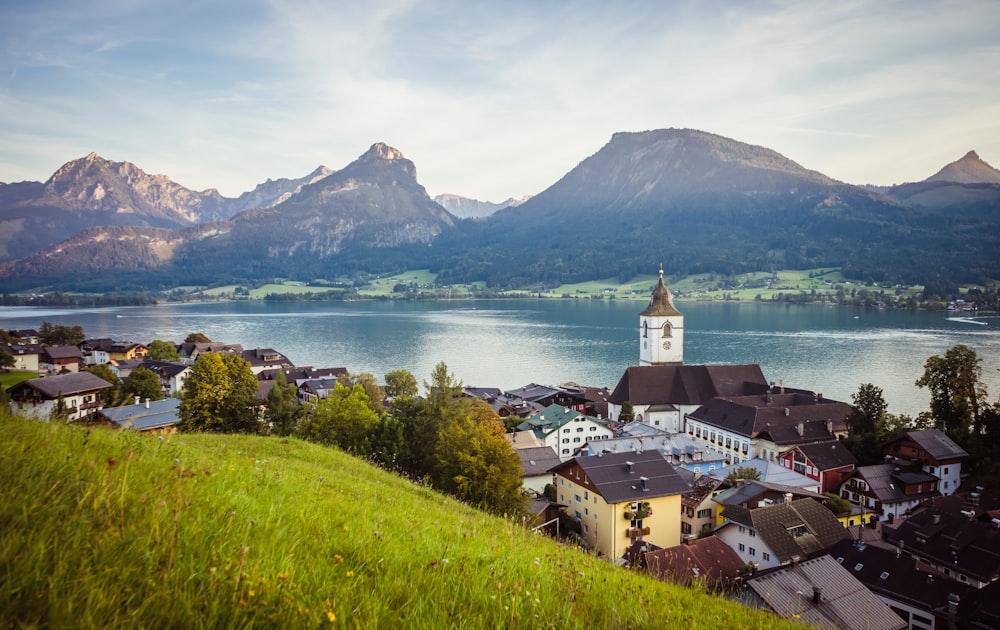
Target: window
586 495
577 498
565 430
561 481
946 470
752 532
753 552
565 451
579 429
586 512
743 547
685 528
565 440
593 428
586 529
706 513
666 330
766 556
576 440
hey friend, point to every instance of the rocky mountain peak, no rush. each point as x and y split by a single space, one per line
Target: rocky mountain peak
382 151
969 169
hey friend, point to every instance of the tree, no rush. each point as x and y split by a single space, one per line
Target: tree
476 463
957 392
283 409
6 359
743 472
367 381
143 383
160 350
220 396
627 414
867 412
342 419
113 395
197 337
400 384
836 504
57 335
891 425
442 388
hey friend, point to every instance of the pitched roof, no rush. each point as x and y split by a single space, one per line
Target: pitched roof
166 368
159 414
617 482
844 602
937 444
828 455
66 384
685 384
790 418
887 482
771 472
800 528
970 546
63 352
707 559
753 491
537 460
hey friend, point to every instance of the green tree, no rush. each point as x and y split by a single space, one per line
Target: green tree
627 414
743 472
957 392
113 395
836 504
890 425
220 396
400 384
160 350
366 381
342 419
477 465
197 337
866 414
6 359
143 383
283 409
387 442
57 335
443 387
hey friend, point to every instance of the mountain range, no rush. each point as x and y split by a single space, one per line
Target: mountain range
696 201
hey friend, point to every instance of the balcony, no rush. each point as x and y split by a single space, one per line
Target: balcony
635 532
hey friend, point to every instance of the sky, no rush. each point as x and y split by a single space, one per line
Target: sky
490 100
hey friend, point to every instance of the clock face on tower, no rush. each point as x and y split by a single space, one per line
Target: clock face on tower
666 345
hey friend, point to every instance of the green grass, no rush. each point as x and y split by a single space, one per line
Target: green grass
8 379
109 529
383 286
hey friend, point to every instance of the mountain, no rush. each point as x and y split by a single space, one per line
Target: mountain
273 192
92 191
970 169
465 208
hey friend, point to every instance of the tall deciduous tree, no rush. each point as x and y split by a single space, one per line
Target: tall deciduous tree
957 392
197 337
220 396
161 350
50 334
367 381
400 384
283 409
143 383
342 419
867 415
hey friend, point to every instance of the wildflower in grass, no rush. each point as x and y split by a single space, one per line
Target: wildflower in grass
350 574
332 617
284 576
338 557
444 560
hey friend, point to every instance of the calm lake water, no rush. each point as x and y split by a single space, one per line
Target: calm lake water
510 343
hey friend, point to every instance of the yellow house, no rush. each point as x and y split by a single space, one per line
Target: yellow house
619 498
127 351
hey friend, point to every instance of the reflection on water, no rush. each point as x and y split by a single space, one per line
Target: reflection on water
509 343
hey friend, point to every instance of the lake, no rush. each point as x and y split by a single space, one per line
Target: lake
510 343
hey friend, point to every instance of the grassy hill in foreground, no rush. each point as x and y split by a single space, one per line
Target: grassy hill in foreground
106 529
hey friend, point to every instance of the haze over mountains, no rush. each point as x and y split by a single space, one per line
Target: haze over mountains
699 202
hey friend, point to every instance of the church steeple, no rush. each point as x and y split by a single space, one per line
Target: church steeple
661 329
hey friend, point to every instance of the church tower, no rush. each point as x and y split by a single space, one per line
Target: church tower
661 329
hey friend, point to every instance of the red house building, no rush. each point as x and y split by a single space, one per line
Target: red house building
826 462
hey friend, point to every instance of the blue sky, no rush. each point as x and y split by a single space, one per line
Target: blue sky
490 99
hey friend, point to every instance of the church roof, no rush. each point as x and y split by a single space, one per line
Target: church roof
661 304
686 384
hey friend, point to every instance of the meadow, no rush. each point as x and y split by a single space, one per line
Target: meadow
113 529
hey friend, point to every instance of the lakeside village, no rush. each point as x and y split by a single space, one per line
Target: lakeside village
699 474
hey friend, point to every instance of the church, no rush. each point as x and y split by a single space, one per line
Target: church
747 417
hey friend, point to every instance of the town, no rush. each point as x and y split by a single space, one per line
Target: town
697 474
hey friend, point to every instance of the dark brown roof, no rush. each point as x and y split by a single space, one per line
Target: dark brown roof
970 546
675 384
775 524
935 443
63 352
707 559
777 416
613 480
828 455
66 384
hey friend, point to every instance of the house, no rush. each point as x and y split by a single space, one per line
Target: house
770 472
934 452
40 397
677 448
261 359
780 533
27 336
25 356
172 375
536 464
698 509
60 359
621 498
661 395
312 390
127 350
293 374
566 431
923 599
503 404
192 349
546 396
706 561
768 424
962 547
96 351
822 594
887 490
825 462
751 494
546 516
159 416
122 368
523 439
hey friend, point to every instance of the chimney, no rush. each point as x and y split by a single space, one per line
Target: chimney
819 397
817 594
643 484
937 519
147 403
630 467
137 400
781 385
800 427
829 427
788 413
788 497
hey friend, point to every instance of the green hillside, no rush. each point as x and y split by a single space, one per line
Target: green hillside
107 529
